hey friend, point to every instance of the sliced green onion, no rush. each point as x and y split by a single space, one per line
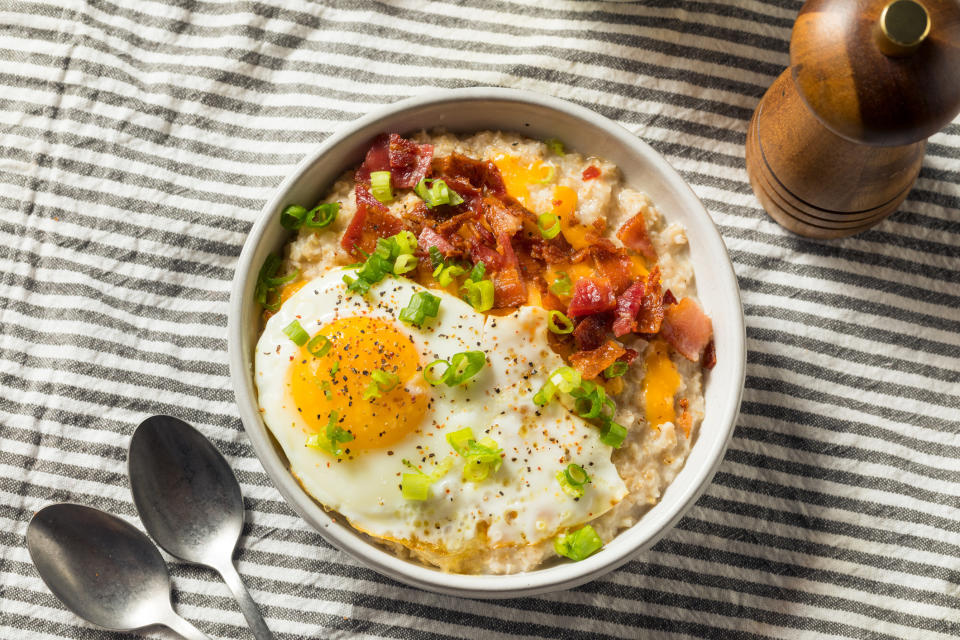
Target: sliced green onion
405 262
555 146
572 480
616 370
268 282
559 323
562 285
591 401
445 274
421 305
459 370
578 545
613 434
296 333
549 225
551 173
319 345
479 270
436 192
332 438
380 186
380 382
436 257
479 294
416 485
460 439
357 285
322 215
292 217
564 379
335 368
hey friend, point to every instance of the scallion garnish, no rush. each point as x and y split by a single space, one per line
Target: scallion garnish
335 368
551 173
380 382
479 270
559 323
416 485
292 217
549 225
572 480
616 370
388 253
562 285
480 459
436 192
296 333
422 305
268 282
479 294
319 345
436 257
555 146
380 186
331 439
444 274
590 401
458 370
578 545
322 215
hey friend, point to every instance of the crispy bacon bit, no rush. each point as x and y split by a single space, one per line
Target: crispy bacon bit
480 252
629 356
430 238
613 264
479 174
710 356
687 328
650 315
669 298
502 220
628 305
591 332
591 363
633 235
590 173
590 296
508 286
371 221
409 161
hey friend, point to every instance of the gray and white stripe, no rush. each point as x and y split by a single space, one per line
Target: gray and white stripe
139 141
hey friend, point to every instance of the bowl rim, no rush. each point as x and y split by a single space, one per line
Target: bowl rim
562 576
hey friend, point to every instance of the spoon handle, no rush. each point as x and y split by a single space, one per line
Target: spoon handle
184 628
247 606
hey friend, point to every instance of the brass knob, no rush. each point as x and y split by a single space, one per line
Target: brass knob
903 26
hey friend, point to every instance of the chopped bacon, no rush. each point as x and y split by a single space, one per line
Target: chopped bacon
710 356
502 220
509 289
591 332
430 238
628 305
407 161
669 298
480 252
687 328
590 296
480 174
591 363
590 173
629 356
614 265
650 315
633 235
371 221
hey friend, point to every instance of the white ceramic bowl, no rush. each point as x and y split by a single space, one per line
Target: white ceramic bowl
537 116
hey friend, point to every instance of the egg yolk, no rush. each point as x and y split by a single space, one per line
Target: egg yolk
337 381
660 384
517 176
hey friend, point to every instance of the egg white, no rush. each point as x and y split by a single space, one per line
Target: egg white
522 503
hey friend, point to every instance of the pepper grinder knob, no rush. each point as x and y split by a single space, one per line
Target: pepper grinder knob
836 143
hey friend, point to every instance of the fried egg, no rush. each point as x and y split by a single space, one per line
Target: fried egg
521 503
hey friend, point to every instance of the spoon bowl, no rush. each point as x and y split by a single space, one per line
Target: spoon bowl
103 569
190 502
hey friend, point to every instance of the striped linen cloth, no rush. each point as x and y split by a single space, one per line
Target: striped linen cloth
139 142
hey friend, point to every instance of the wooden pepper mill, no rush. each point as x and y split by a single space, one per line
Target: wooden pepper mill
837 141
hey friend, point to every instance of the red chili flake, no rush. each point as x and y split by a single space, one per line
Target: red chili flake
591 172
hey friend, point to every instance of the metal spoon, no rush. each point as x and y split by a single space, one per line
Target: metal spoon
190 502
103 569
